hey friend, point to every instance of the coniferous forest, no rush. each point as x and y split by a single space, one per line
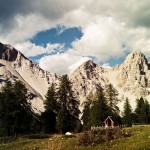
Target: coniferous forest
62 112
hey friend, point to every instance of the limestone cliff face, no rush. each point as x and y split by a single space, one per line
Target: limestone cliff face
131 78
134 75
86 79
15 66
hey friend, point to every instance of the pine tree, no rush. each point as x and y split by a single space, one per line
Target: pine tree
51 100
6 109
142 110
127 113
15 109
23 113
68 114
112 99
86 111
139 110
63 123
51 108
86 114
99 109
147 111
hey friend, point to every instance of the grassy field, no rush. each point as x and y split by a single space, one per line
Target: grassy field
140 140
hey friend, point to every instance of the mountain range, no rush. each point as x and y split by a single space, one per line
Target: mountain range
131 78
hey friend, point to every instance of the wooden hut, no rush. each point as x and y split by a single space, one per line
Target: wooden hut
109 123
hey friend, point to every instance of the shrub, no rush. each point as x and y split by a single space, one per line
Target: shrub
102 136
86 139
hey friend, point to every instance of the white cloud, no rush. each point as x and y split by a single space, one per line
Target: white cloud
106 65
26 27
30 50
102 39
106 25
61 63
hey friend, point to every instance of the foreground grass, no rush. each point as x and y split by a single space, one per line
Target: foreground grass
140 140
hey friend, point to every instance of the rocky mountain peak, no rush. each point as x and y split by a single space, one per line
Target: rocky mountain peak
136 62
88 67
136 57
7 52
15 66
88 64
131 79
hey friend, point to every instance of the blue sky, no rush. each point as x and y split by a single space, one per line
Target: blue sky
64 36
61 35
57 35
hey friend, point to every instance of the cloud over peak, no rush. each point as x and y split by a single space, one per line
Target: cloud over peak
110 28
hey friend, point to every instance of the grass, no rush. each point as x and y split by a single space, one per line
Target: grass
140 140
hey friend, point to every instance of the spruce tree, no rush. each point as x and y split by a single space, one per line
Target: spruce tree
112 99
15 109
23 114
86 114
142 110
7 109
127 113
147 111
139 110
68 114
99 109
51 108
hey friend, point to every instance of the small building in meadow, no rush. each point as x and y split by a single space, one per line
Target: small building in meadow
109 123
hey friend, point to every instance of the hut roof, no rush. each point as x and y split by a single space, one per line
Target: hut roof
109 117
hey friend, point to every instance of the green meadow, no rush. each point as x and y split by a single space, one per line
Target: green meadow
140 140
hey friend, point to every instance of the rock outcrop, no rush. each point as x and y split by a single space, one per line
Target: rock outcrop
15 66
131 78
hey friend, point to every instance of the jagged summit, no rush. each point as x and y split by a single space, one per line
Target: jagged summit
9 53
88 65
131 78
136 57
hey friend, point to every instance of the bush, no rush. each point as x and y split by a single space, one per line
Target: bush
95 137
87 139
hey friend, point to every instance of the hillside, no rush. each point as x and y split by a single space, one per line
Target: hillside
15 66
131 78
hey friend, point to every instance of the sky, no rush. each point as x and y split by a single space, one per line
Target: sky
60 35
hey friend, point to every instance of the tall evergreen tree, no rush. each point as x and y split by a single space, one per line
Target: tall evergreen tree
139 110
99 109
23 111
51 108
68 114
15 109
6 109
112 99
147 111
51 99
142 110
127 113
86 114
